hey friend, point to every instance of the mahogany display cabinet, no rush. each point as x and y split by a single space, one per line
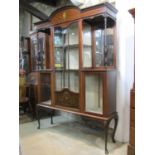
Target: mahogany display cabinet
82 59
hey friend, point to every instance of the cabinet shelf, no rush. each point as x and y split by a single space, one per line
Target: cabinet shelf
66 70
71 46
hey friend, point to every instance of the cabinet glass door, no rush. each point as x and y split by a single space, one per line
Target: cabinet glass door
98 41
94 93
66 48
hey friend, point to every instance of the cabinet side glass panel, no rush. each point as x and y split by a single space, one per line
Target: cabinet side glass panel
110 47
34 52
104 47
93 94
87 45
99 37
41 54
45 86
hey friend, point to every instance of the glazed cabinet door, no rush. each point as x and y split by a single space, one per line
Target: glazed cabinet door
98 42
66 57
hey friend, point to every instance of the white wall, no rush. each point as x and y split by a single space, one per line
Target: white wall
125 67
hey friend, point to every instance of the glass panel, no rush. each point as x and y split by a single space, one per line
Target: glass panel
110 46
26 62
45 86
58 44
72 58
73 34
66 42
104 47
67 79
74 81
87 45
93 94
58 81
34 52
99 34
59 57
73 47
41 54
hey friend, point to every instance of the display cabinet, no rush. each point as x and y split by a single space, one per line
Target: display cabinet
82 76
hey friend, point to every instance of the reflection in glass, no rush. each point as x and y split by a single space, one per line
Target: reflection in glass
93 94
66 44
41 54
110 47
67 79
34 52
104 47
87 45
99 34
45 88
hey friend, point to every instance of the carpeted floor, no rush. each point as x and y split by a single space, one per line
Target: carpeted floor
65 137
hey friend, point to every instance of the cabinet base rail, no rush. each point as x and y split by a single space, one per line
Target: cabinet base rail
40 108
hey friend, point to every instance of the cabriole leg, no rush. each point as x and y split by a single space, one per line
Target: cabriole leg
106 136
38 118
115 127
